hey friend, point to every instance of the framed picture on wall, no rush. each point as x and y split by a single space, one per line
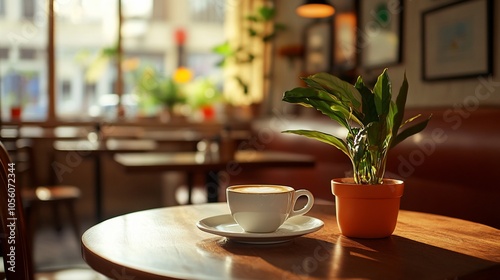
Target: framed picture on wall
318 46
457 40
380 28
344 50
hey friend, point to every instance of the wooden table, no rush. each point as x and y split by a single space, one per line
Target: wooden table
244 161
95 149
183 136
37 132
165 243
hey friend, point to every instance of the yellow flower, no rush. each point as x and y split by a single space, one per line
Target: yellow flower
183 75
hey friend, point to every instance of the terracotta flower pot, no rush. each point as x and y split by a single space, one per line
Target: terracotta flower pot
367 211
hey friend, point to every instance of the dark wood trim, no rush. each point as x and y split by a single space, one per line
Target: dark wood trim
51 67
119 55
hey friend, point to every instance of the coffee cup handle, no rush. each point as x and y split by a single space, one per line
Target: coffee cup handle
307 207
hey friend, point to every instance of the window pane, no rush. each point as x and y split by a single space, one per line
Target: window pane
27 54
159 10
4 53
207 11
85 51
2 7
29 9
84 62
155 50
23 60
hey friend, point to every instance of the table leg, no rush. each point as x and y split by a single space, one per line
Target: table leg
190 183
212 184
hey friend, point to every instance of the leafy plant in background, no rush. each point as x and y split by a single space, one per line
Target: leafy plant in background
203 92
96 65
158 89
242 54
372 119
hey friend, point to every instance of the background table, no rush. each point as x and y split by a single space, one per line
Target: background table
98 148
189 162
165 243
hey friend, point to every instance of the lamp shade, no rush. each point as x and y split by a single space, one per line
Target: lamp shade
315 9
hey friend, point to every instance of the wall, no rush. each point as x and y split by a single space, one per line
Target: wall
442 93
449 93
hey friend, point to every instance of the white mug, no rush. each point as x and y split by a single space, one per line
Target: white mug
264 208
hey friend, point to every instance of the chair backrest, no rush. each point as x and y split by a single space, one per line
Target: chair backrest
26 158
15 247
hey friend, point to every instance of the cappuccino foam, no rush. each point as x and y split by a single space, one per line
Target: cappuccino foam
261 189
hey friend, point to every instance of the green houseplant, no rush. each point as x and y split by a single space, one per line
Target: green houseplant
157 90
244 53
374 124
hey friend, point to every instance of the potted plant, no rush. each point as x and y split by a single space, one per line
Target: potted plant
161 91
246 59
203 97
367 205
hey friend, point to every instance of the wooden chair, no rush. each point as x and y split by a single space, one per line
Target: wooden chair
36 195
16 250
15 229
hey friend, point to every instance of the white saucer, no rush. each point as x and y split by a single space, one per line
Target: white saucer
224 225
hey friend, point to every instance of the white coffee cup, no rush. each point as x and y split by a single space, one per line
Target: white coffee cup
264 208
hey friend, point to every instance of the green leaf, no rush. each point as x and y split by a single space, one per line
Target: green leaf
368 102
357 146
375 131
400 107
245 58
409 131
382 91
410 120
390 120
267 13
333 85
221 63
323 137
323 102
252 32
252 18
251 57
223 49
326 109
300 93
243 84
109 51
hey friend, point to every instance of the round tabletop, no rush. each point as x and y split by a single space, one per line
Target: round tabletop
165 243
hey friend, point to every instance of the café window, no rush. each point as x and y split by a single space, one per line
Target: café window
23 63
4 53
66 90
27 54
85 65
159 10
207 11
2 8
89 91
21 89
29 9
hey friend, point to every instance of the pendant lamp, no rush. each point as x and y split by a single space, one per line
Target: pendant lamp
315 9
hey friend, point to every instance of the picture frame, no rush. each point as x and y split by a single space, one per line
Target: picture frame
380 33
318 38
457 43
344 57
